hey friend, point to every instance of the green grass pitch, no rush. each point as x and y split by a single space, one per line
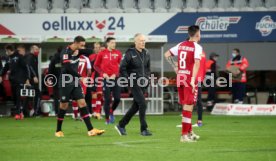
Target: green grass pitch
223 138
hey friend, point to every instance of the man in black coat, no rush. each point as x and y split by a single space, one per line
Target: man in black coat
136 61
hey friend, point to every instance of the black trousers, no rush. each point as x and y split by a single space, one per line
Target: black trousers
199 104
238 91
16 96
211 92
37 99
56 99
116 93
139 104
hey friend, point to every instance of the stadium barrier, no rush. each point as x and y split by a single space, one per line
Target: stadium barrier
244 109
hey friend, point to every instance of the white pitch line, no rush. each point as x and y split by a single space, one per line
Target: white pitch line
126 143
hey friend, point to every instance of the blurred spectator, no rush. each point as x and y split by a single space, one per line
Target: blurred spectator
32 62
19 75
237 66
211 75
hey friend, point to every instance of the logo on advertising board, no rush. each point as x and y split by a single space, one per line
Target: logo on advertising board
65 23
266 25
215 23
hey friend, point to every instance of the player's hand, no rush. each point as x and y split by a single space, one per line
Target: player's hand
35 80
76 53
113 76
105 76
1 79
27 82
193 86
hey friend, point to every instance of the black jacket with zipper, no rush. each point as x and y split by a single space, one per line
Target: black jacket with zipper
135 62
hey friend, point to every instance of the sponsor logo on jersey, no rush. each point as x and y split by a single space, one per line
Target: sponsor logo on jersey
266 25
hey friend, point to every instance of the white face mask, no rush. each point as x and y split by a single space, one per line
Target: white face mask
234 55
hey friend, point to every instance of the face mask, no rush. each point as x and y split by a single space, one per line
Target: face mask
36 53
234 55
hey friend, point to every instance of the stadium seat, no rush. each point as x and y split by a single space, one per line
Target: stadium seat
257 5
24 6
129 6
42 6
207 5
74 6
58 6
145 6
113 6
160 6
95 6
223 5
241 5
176 6
270 5
191 6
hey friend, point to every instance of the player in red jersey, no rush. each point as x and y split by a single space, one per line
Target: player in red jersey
108 64
97 91
84 69
189 55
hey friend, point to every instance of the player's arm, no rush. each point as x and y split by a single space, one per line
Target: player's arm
124 65
195 72
3 71
197 58
89 67
68 67
244 65
170 54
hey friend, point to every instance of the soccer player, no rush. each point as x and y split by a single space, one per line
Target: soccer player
96 91
108 64
69 86
84 69
189 55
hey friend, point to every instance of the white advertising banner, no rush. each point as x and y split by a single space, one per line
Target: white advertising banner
243 109
80 24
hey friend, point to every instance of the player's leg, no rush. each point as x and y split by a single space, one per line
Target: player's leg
99 98
116 91
187 99
75 110
199 108
64 99
78 95
107 100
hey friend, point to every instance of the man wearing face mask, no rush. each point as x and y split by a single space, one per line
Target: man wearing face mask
32 61
237 66
211 75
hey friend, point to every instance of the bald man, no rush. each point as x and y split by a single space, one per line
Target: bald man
136 61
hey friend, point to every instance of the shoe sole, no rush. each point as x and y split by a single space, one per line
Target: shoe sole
116 128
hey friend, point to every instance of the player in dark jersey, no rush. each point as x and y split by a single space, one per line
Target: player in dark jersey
69 86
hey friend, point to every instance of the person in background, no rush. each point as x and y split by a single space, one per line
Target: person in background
211 75
19 74
32 62
200 76
237 65
108 65
54 68
96 92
